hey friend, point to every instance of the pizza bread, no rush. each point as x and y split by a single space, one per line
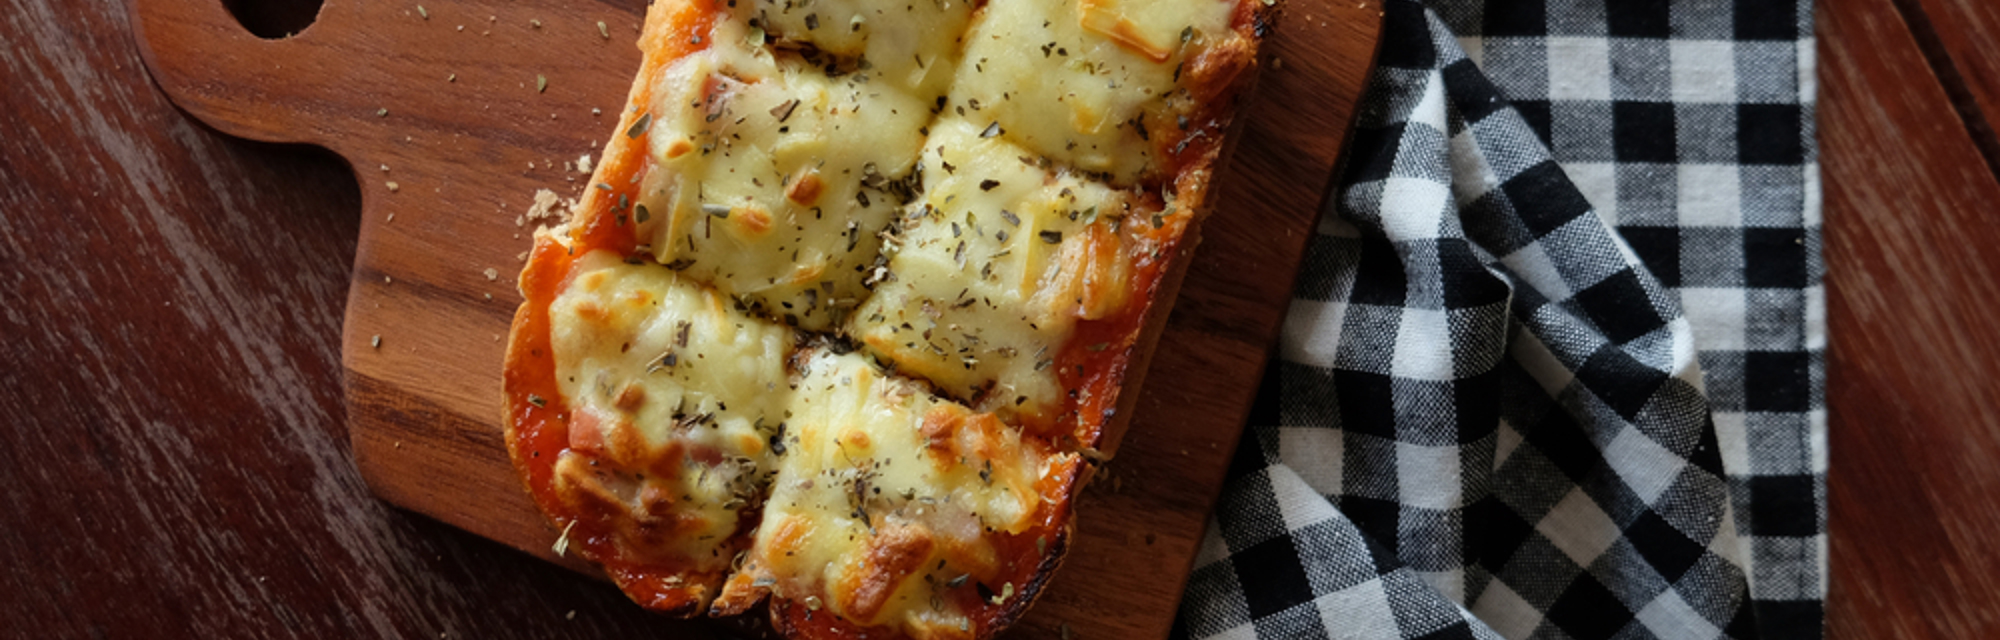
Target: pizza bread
847 314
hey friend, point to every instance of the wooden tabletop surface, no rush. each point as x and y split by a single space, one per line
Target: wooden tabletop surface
176 464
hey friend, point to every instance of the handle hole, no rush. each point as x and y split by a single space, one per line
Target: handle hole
274 19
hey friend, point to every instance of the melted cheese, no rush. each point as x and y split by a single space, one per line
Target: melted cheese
952 187
684 412
885 494
770 180
911 45
671 392
987 284
1082 81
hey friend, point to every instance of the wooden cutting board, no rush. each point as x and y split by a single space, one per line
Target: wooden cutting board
453 112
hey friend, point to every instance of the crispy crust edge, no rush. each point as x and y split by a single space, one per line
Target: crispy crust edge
782 613
1261 21
1263 18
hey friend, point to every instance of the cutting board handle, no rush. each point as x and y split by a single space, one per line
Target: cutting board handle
222 74
450 116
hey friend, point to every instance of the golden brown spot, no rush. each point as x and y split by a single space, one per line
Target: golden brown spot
980 437
856 438
787 540
678 148
750 444
712 302
1214 69
972 555
592 312
805 190
623 443
893 554
808 272
602 497
631 398
938 425
1106 274
741 591
751 221
1101 17
639 298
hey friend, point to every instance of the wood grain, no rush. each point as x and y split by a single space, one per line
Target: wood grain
1914 423
1958 37
175 462
443 116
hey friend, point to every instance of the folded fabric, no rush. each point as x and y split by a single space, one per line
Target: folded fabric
1553 367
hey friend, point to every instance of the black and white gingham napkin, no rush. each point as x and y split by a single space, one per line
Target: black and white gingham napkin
1554 364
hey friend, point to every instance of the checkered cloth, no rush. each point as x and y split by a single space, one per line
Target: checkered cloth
1554 364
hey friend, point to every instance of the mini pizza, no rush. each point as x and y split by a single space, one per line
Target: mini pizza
848 312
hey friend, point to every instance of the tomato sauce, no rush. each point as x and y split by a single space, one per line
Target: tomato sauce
611 202
538 424
1092 365
1021 560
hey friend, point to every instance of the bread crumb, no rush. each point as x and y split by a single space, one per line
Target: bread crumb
571 616
547 206
393 187
583 163
375 342
385 168
492 274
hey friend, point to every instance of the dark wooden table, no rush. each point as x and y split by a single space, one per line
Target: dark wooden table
1909 92
176 466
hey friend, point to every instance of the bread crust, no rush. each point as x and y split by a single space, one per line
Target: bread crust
1192 143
